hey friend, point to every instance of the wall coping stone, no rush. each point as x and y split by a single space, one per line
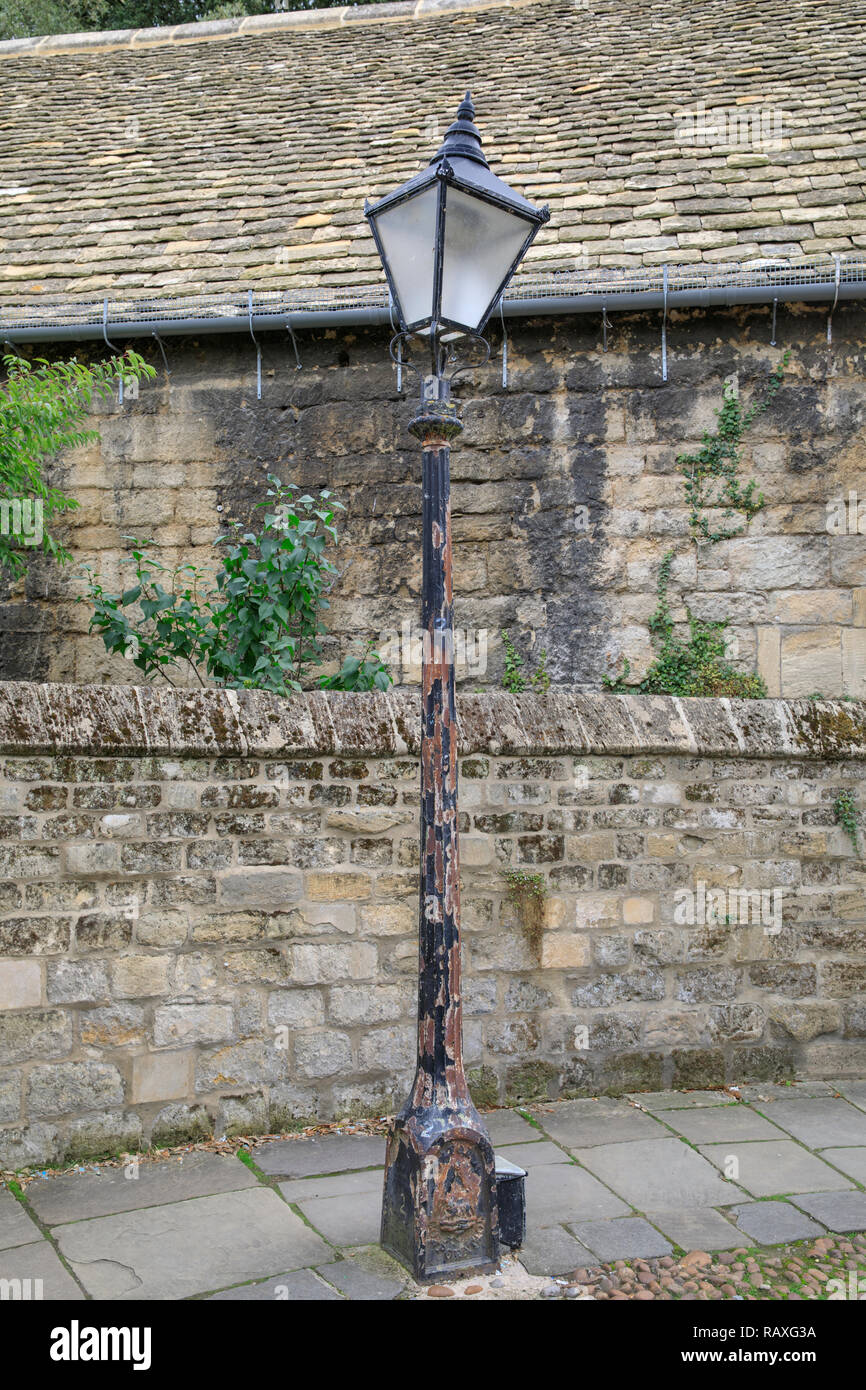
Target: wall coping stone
334 17
125 720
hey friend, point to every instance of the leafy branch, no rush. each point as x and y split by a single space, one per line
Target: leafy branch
42 407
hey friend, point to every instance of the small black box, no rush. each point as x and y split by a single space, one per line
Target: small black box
511 1199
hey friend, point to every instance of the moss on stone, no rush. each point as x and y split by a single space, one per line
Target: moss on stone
483 1086
698 1069
530 1081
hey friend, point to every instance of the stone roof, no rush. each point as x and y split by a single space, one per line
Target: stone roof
237 153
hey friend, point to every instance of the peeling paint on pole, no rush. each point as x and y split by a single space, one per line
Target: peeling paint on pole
439 1212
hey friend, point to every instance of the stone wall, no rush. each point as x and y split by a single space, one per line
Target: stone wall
566 493
208 904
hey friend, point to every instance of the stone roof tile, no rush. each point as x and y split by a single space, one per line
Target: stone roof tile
239 151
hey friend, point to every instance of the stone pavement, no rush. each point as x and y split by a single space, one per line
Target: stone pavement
644 1178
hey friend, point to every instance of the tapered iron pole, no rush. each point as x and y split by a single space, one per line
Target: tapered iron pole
439 1213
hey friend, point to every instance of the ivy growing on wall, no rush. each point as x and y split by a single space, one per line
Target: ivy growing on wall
721 506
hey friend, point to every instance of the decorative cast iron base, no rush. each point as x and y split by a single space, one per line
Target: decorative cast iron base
439 1215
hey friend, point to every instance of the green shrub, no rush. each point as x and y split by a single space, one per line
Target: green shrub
256 621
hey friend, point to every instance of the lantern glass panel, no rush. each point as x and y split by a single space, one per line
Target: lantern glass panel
481 243
408 235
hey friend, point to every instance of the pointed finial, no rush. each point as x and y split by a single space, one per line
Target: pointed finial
463 138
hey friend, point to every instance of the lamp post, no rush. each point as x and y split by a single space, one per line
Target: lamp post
450 240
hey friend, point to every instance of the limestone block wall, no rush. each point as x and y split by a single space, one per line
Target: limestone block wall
208 904
566 494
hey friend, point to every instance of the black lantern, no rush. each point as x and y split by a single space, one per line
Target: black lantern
452 237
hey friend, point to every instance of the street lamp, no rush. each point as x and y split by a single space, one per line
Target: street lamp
450 240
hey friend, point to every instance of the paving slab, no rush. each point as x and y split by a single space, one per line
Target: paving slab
298 1286
354 1219
333 1153
851 1161
16 1226
722 1123
838 1211
558 1192
361 1285
629 1238
776 1166
697 1228
778 1090
680 1100
855 1091
553 1250
580 1123
821 1124
77 1196
773 1223
38 1263
658 1174
507 1127
175 1251
340 1185
531 1155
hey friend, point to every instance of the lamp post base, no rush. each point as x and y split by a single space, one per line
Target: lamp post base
439 1215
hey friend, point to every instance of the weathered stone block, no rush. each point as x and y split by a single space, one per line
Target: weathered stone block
252 1063
191 1023
322 1054
161 1076
134 977
565 950
296 1008
108 1133
327 963
260 888
118 1025
181 1124
69 1086
77 982
351 1004
35 1033
20 984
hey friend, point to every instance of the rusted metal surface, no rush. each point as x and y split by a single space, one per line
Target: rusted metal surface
439 1211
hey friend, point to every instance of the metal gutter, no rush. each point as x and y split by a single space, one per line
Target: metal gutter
818 280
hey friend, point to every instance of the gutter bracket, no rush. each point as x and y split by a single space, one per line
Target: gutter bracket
664 325
398 337
109 344
504 346
837 258
162 350
258 348
291 332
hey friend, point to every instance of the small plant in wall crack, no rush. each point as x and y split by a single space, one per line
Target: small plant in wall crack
845 814
513 678
697 666
528 892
